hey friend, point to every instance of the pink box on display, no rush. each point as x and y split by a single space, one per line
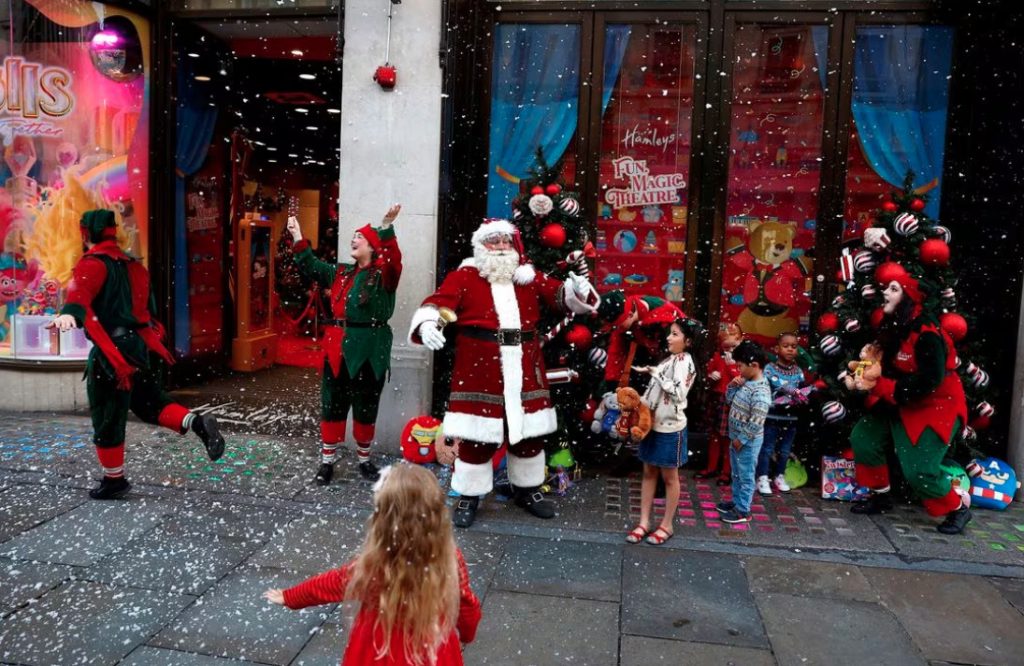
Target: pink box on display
74 344
31 338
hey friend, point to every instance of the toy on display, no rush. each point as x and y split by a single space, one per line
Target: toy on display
419 437
838 480
993 483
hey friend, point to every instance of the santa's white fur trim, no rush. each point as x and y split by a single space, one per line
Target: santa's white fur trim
472 480
487 429
539 423
525 274
491 227
425 313
525 472
507 308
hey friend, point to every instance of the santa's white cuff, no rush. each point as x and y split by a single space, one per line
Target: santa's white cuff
472 480
525 472
424 313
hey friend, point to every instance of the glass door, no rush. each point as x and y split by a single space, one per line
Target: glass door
775 110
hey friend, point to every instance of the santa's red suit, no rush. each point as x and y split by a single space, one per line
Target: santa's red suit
498 391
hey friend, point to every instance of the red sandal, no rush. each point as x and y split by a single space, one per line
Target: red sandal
637 534
659 536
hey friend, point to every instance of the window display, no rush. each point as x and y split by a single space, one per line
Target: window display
75 135
775 155
647 110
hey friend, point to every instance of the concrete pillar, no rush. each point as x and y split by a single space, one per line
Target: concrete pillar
1015 450
390 152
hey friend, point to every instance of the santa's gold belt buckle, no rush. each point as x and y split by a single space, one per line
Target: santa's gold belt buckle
510 337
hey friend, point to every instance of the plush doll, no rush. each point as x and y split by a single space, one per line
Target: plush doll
606 416
993 483
446 453
418 439
863 374
635 420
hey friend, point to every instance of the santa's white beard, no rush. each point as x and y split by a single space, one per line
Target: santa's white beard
496 266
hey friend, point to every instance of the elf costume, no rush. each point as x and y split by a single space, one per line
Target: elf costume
642 342
926 408
357 343
109 296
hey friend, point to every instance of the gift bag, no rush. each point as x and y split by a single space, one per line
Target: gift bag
838 480
795 474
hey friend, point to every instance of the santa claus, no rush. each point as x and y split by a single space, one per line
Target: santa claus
499 391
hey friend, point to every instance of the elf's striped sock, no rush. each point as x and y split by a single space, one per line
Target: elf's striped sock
363 451
327 453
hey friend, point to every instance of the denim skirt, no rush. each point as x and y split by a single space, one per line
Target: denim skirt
664 449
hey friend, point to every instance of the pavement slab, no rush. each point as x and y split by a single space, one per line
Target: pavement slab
808 579
688 596
953 618
547 630
151 656
86 623
224 518
823 632
482 553
233 620
313 544
326 646
84 535
1012 590
21 582
175 562
992 536
23 506
573 569
641 651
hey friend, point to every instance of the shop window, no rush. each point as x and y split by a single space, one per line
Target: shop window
775 152
900 98
75 132
534 104
646 116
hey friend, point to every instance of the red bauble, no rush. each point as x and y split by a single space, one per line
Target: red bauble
917 205
890 207
935 252
579 336
953 324
587 413
552 189
827 323
552 235
820 384
980 422
537 189
876 317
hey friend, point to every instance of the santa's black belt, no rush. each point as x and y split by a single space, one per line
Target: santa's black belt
503 336
344 323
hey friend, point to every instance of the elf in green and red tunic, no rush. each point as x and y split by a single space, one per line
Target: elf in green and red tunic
919 405
357 340
635 322
109 296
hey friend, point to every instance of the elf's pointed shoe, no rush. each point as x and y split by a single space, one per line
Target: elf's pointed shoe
369 471
955 521
324 474
110 488
208 430
874 503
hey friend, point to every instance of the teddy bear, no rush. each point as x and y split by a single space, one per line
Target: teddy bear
446 453
863 374
605 416
673 288
635 417
773 276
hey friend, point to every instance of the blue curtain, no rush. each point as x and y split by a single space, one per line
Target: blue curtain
819 36
533 103
616 39
194 130
900 97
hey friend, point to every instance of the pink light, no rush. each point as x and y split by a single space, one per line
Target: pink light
105 39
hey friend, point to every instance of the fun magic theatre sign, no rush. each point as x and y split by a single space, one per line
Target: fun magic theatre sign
31 94
644 189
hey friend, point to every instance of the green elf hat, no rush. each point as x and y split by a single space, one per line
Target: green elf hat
98 225
611 305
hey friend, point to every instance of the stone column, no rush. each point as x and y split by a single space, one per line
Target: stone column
390 152
1015 450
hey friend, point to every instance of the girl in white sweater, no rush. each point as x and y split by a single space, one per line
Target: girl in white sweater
663 451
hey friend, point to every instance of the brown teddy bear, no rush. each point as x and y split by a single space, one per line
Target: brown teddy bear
446 453
635 417
864 373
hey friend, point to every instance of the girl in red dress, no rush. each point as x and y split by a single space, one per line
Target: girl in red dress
410 580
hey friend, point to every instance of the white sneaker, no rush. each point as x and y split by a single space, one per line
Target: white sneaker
763 486
781 485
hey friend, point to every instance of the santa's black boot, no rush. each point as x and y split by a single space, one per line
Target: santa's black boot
955 521
533 501
208 430
110 488
465 511
324 474
874 503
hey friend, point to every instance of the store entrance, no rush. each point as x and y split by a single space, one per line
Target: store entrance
257 140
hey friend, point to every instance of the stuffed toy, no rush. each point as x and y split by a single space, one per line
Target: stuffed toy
606 416
446 453
418 439
863 374
635 417
993 483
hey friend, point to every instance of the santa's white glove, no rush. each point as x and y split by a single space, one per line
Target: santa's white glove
580 295
294 229
63 323
431 335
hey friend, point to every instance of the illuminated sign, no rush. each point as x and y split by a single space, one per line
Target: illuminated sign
30 94
644 189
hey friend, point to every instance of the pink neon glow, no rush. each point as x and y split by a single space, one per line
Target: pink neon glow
105 38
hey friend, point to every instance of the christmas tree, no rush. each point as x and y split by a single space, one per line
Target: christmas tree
550 222
901 238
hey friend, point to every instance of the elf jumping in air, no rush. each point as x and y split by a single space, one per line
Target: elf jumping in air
357 341
109 296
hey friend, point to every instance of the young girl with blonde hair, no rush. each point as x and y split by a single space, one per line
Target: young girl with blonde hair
410 580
